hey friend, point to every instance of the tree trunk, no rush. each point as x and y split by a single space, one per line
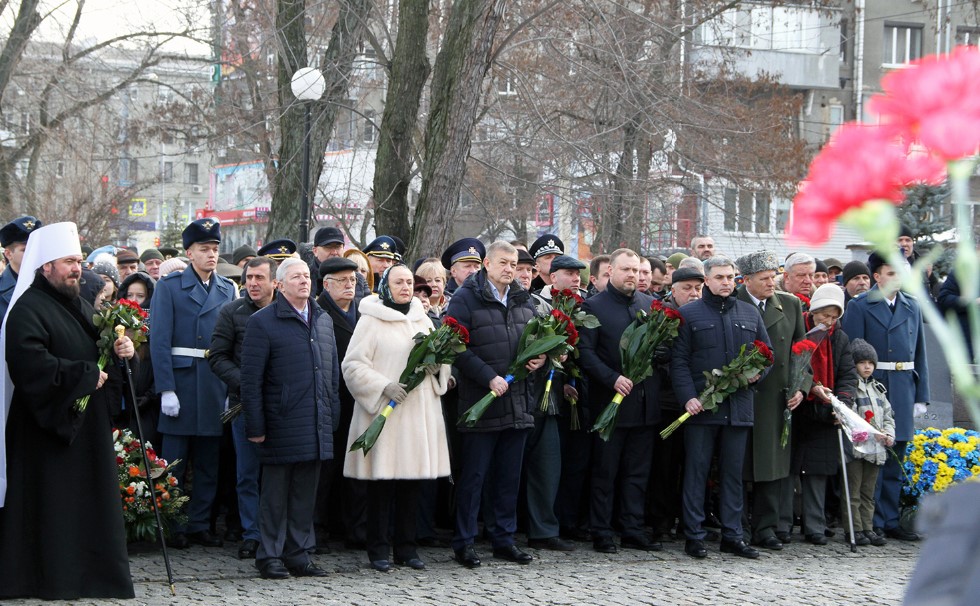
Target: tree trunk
457 83
393 166
345 38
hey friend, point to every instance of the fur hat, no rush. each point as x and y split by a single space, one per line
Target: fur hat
861 350
757 261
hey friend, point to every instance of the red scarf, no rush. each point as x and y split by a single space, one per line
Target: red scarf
822 361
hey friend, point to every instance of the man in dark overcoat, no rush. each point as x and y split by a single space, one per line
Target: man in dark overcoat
621 465
62 534
341 502
290 377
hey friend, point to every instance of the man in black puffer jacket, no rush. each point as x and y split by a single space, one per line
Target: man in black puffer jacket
713 332
289 381
621 465
495 310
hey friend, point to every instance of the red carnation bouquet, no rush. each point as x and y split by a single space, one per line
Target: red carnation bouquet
441 346
751 360
799 362
125 313
636 347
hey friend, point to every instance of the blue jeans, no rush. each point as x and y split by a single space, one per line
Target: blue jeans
247 487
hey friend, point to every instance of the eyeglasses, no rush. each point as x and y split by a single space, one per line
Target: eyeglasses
350 280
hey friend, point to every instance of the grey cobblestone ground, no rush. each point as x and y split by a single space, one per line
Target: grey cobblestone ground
801 574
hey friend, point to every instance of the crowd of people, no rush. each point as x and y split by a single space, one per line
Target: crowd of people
301 346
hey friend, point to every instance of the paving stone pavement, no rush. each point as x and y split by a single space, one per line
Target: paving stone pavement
801 574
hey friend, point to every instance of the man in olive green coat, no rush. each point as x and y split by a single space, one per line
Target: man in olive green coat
772 485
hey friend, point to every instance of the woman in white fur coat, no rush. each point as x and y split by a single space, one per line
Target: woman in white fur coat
413 445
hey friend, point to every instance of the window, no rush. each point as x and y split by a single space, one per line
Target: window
168 172
903 43
22 167
370 130
843 40
835 118
59 169
134 170
190 173
165 94
968 35
25 123
747 211
134 92
765 27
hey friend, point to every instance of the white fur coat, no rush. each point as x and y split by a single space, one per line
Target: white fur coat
413 444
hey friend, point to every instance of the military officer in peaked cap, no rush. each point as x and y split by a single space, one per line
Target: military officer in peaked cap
185 309
381 253
544 250
13 238
278 249
462 258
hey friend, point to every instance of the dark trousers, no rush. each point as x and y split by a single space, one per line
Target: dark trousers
889 489
202 454
542 469
772 508
814 488
862 478
248 467
286 504
504 451
666 477
699 446
573 487
621 466
383 496
341 502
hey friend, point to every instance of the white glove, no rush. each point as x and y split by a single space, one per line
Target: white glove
169 404
918 409
225 409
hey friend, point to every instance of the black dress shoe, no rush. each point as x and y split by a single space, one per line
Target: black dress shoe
512 553
816 539
248 549
695 549
875 539
415 563
204 538
640 542
552 544
381 565
785 537
604 545
467 557
179 541
273 569
308 570
770 542
740 549
575 534
901 534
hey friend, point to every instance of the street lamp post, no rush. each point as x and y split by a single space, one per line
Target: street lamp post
307 85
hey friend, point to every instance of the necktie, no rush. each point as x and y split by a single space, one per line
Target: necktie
762 307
